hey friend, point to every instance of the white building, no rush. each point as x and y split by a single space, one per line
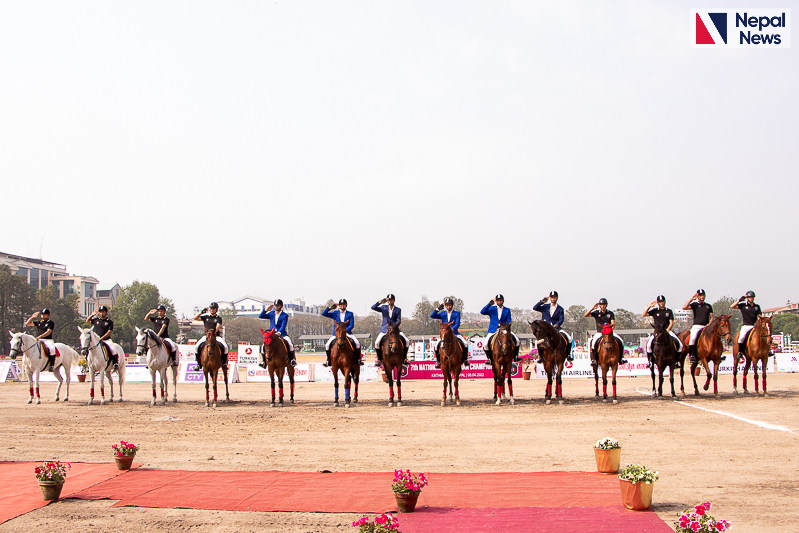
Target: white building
682 315
251 306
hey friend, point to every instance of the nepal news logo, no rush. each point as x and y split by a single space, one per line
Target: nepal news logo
750 28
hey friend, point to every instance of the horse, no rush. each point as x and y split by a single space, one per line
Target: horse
502 365
157 362
211 362
708 348
453 355
664 355
609 353
758 348
276 353
342 358
393 357
95 353
34 361
554 349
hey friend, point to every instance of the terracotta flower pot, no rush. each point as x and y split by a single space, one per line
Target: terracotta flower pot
636 496
607 461
124 462
526 375
81 377
406 503
51 490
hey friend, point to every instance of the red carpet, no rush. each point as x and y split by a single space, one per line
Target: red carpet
19 490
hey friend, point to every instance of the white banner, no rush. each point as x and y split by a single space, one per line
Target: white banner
476 352
256 374
636 366
248 354
787 362
192 373
368 373
9 371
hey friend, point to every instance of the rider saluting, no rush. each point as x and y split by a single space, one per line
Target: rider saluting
394 314
498 314
103 327
278 320
750 311
603 316
703 315
663 318
44 332
338 312
553 315
161 327
211 321
450 315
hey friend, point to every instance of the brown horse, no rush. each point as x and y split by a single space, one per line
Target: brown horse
554 349
664 355
708 348
452 357
609 353
211 362
393 357
758 348
342 358
503 362
275 351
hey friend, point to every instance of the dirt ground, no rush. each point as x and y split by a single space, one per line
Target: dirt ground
750 473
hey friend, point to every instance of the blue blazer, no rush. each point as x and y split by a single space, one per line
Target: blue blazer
556 320
442 316
396 316
336 316
282 322
491 312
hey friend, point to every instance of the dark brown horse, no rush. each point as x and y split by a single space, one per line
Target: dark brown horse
452 358
664 355
211 361
342 358
503 362
393 357
276 353
609 353
554 349
758 348
708 349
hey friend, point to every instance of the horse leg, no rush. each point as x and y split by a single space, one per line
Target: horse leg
174 384
754 367
615 369
596 379
559 383
152 377
548 393
671 379
30 386
216 377
291 384
272 383
764 363
652 371
682 375
68 376
716 380
660 382
36 380
102 387
335 382
706 364
457 380
445 377
280 385
693 376
347 382
734 371
91 389
356 379
162 372
227 391
57 374
510 388
207 384
399 386
604 384
390 377
747 362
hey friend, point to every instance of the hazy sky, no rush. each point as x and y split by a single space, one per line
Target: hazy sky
347 149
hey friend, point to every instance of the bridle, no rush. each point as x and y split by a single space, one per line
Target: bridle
18 351
84 350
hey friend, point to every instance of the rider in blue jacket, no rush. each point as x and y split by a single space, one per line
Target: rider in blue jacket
339 314
553 314
498 314
445 313
394 314
278 320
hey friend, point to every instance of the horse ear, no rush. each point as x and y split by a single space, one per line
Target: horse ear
80 330
12 333
346 322
262 332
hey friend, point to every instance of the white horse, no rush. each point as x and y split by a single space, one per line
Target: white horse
34 361
157 361
99 362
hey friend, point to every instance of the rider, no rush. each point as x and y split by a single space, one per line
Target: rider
44 330
703 314
749 312
553 314
498 314
663 317
394 314
450 315
161 327
104 326
342 316
278 320
604 316
211 321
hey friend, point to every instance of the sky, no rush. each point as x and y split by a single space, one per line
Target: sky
350 149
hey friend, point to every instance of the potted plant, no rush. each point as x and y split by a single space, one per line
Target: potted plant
83 367
124 452
385 523
528 361
407 487
607 453
697 520
51 478
636 483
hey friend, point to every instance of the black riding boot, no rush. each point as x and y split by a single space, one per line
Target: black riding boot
540 359
741 349
650 361
293 358
115 360
438 358
594 356
489 356
198 354
224 360
516 354
358 359
622 360
379 362
465 355
51 362
327 363
569 355
405 357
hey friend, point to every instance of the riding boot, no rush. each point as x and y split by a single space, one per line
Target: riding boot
741 349
649 361
198 354
438 358
540 359
358 358
569 355
465 356
115 360
224 360
516 354
405 357
622 360
293 358
489 356
50 362
327 363
379 353
594 356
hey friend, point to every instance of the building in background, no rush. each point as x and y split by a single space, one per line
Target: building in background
36 271
107 294
85 286
682 315
792 308
251 306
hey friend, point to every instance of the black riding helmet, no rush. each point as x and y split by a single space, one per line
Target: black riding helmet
701 292
603 301
390 296
750 294
213 305
661 298
499 297
45 311
278 302
448 301
103 308
343 301
161 307
553 294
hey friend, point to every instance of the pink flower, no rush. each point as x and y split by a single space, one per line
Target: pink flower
700 510
707 506
695 526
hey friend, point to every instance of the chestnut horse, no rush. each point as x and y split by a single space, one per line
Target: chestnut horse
708 348
393 357
452 358
211 362
276 357
503 362
664 355
758 348
342 358
554 349
609 353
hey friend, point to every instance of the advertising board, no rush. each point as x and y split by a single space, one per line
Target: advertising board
256 374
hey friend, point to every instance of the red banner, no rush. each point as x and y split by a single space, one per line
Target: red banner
427 370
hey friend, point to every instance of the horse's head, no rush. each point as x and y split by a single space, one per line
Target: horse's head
446 334
16 344
504 339
725 328
141 341
764 323
85 340
341 333
544 333
393 335
269 341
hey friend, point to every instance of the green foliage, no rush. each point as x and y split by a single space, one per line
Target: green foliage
786 323
132 305
243 329
722 307
625 319
421 313
64 312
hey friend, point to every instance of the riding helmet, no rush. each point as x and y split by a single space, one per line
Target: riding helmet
213 305
701 292
390 297
343 301
278 302
103 308
45 311
661 298
448 301
499 297
553 294
750 294
161 307
603 301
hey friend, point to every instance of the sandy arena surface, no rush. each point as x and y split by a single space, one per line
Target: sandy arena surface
750 473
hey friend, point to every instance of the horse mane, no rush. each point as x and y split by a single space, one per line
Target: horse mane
156 338
546 326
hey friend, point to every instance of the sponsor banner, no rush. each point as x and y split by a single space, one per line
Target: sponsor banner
368 373
636 366
141 374
192 373
787 362
476 351
476 370
9 371
248 355
256 374
741 28
187 352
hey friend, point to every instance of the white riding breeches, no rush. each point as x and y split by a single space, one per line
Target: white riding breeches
219 340
652 339
743 332
568 337
110 346
491 336
350 336
598 336
695 331
381 335
50 345
171 345
464 342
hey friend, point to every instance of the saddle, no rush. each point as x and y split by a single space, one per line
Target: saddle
46 350
564 337
675 343
108 355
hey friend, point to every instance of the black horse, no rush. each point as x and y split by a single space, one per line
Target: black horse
665 355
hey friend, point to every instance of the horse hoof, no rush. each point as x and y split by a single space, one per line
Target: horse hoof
458 403
615 400
399 404
512 401
30 400
174 400
38 401
291 401
66 399
746 391
152 403
102 402
560 402
355 400
443 403
391 404
56 399
548 402
272 404
88 403
206 404
735 391
705 388
214 405
110 400
347 406
120 399
718 397
604 400
499 402
335 404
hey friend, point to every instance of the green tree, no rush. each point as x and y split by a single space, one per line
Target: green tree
722 307
625 319
786 323
132 305
17 301
64 312
421 313
243 329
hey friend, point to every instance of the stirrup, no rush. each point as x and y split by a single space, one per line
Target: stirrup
327 363
723 357
623 361
438 365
